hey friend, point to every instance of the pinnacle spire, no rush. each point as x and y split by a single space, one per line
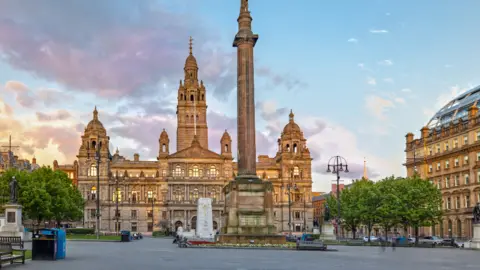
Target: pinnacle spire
291 116
95 113
190 43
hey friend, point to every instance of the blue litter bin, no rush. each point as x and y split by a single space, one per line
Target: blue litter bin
125 236
61 244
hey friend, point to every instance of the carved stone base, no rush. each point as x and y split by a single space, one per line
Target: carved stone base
13 221
328 232
476 237
247 239
248 210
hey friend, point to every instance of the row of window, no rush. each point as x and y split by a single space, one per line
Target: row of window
447 180
195 171
455 143
458 204
178 195
133 214
456 163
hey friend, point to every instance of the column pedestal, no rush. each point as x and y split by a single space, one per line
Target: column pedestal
248 212
328 232
476 237
13 221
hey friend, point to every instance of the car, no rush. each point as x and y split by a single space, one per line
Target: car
372 238
430 239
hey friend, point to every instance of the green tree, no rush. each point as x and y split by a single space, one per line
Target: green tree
421 202
350 207
389 210
369 201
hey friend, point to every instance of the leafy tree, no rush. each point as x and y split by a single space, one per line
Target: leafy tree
369 201
388 212
421 202
350 208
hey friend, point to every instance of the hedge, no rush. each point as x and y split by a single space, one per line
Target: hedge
81 231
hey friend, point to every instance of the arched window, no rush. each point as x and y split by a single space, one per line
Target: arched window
185 97
93 170
177 171
226 147
181 96
93 193
288 148
164 148
134 196
203 97
295 148
117 193
192 97
296 171
194 194
213 171
195 171
94 144
188 119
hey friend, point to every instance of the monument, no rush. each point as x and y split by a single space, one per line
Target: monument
476 227
328 231
13 214
248 214
204 218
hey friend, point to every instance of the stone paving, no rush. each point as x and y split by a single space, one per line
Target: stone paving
161 254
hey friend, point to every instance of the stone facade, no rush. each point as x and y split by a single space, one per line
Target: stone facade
169 187
449 157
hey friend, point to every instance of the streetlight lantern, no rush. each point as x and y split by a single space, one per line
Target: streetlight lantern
336 165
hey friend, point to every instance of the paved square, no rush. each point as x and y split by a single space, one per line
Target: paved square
161 254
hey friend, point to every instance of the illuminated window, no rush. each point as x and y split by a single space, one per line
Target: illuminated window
296 171
150 195
177 171
194 195
117 194
93 170
213 171
195 171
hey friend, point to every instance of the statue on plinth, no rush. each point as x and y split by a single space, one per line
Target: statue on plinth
13 190
476 214
326 214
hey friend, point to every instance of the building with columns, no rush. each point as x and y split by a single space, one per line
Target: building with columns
448 154
143 196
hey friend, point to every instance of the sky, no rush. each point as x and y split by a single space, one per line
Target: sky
358 75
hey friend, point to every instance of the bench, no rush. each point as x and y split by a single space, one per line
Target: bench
6 254
14 240
311 245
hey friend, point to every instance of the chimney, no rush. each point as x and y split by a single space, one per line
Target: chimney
425 131
136 157
409 137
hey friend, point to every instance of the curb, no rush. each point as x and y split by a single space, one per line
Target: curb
94 240
255 248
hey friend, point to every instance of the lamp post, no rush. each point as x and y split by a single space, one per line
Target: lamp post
151 197
117 199
97 158
305 210
336 165
289 187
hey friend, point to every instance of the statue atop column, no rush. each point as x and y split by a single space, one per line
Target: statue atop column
13 190
476 214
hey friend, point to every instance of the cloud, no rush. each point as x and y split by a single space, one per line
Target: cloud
5 109
388 80
125 51
378 31
269 111
386 62
378 106
399 100
371 81
58 115
353 40
285 80
406 90
23 94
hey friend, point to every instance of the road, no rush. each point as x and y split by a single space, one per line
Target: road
152 253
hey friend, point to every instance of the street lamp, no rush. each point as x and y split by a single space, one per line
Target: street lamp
117 199
151 197
336 165
97 158
289 187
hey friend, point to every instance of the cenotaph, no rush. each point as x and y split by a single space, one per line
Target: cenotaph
204 218
248 214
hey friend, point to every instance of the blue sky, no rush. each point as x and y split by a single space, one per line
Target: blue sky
358 75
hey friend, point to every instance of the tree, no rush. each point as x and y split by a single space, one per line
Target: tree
369 201
350 207
388 212
421 202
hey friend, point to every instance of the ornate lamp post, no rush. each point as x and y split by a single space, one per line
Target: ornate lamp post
288 189
97 158
336 165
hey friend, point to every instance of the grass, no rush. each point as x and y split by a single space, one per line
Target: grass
28 254
93 237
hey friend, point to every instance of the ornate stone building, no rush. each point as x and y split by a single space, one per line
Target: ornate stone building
448 153
163 193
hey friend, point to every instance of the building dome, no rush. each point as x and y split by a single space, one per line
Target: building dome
226 136
95 124
191 61
456 109
291 127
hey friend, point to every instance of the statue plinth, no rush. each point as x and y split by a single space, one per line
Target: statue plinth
248 213
328 231
13 221
476 236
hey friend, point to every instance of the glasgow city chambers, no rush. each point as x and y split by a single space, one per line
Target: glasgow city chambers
146 196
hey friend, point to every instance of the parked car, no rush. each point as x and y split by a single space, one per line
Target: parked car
372 238
430 239
450 242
